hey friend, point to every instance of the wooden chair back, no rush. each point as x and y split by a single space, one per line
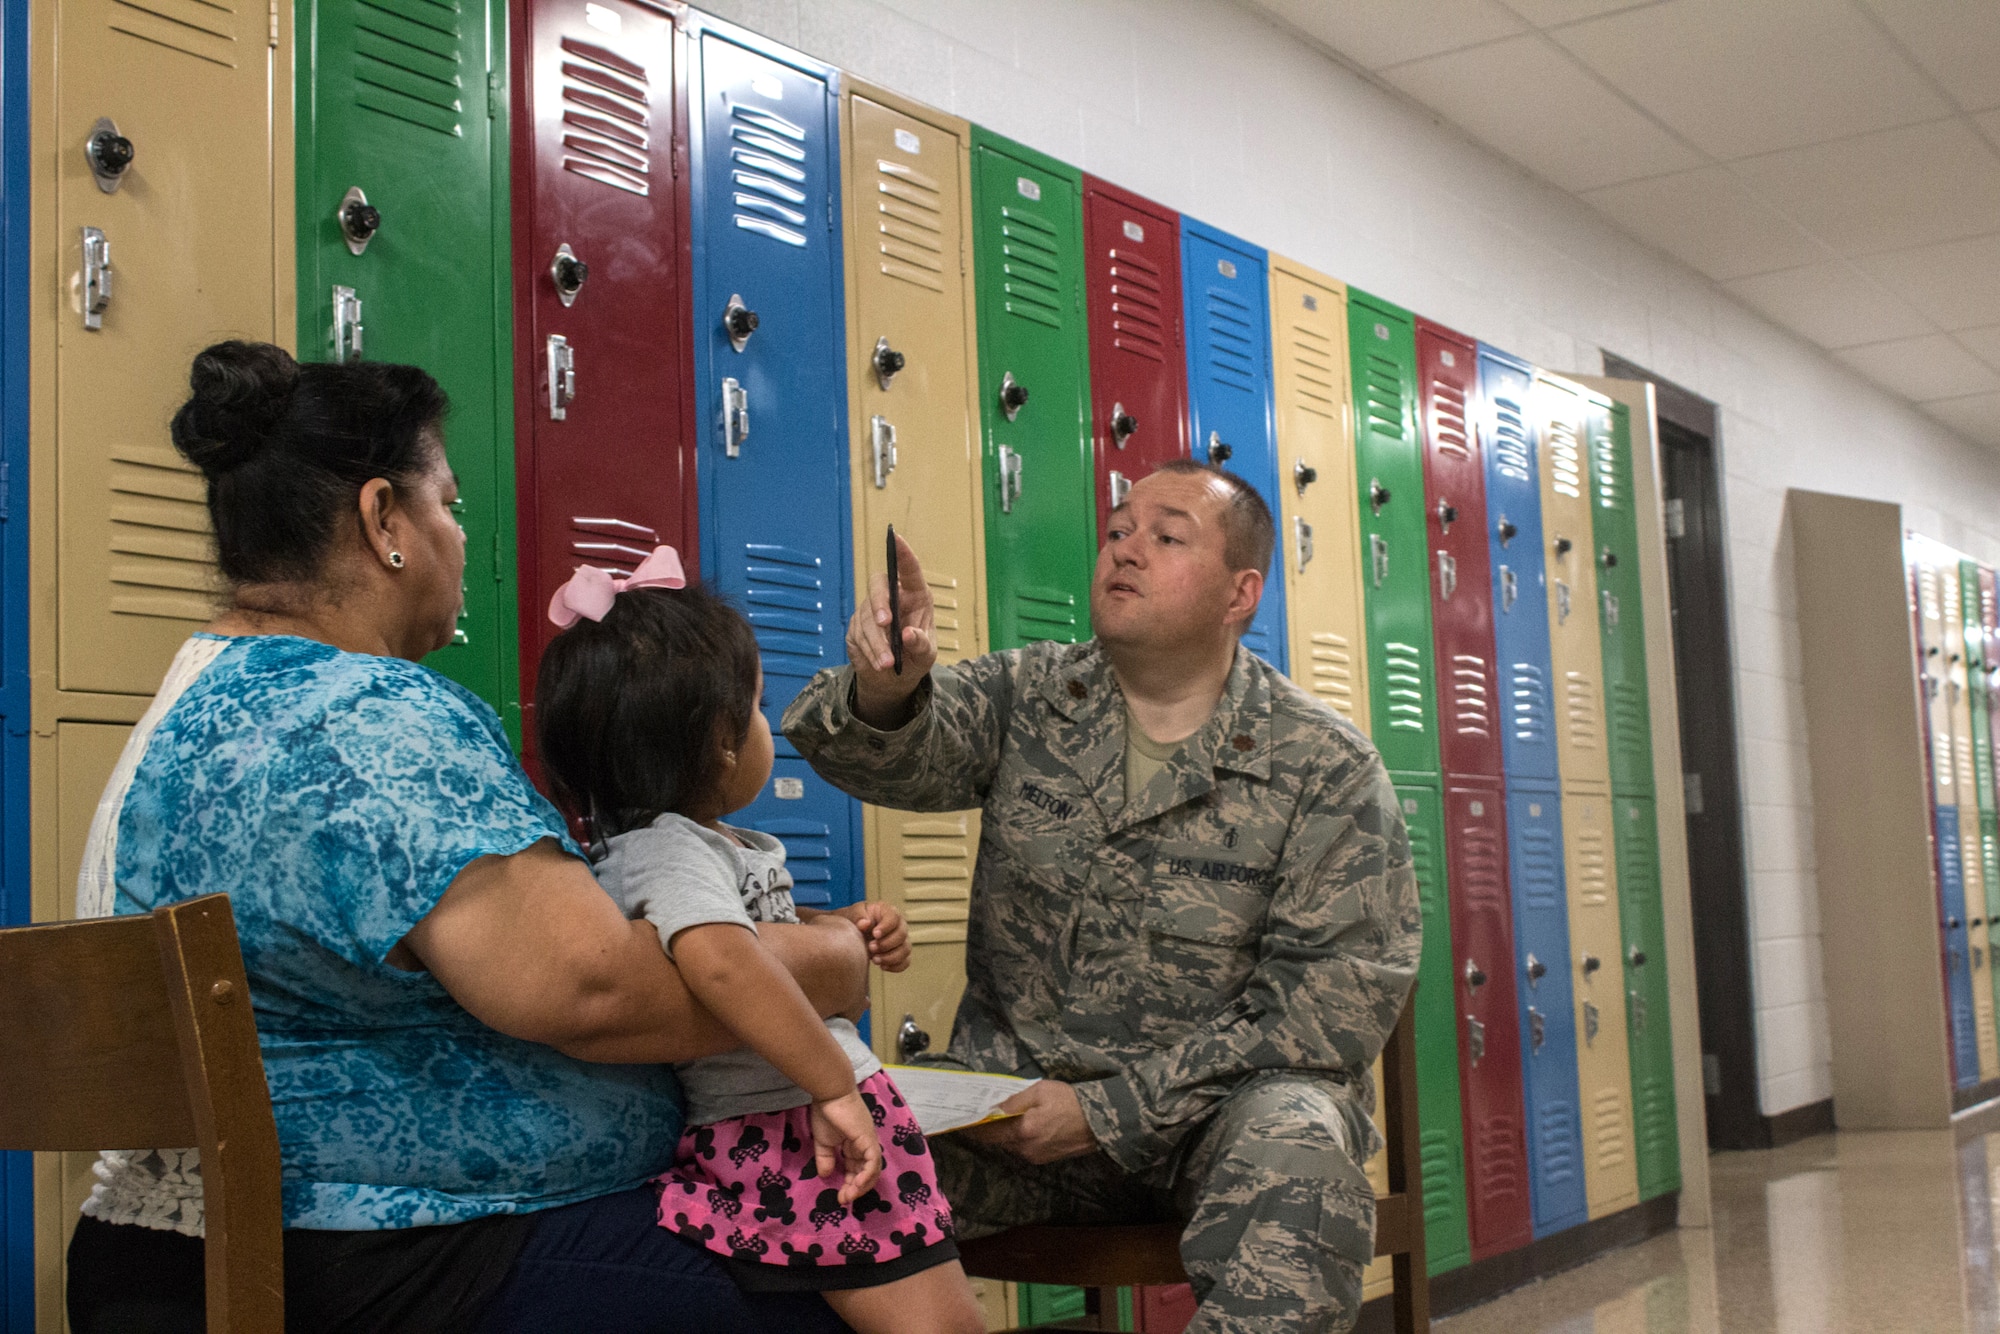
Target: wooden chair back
136 1032
1145 1254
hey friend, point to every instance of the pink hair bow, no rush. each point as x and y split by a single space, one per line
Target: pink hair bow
591 589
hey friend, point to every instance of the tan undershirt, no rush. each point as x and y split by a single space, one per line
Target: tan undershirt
1144 756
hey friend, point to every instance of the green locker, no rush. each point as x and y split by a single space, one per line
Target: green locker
1621 616
1034 393
1389 469
1649 1032
401 109
1440 1126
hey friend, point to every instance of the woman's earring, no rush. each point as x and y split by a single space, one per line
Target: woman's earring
395 560
729 758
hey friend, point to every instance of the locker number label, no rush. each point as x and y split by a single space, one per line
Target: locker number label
1479 808
1225 268
1310 301
789 789
1382 332
1447 356
766 86
908 141
1133 231
603 19
1029 189
1409 805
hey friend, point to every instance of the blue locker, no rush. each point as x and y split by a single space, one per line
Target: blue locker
17 1224
1548 1005
1958 964
1229 389
771 401
1520 597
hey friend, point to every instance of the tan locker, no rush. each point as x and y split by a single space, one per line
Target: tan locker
1958 706
1575 652
1320 526
914 425
1603 1062
1936 669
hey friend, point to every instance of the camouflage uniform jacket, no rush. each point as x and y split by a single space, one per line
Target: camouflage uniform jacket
1253 909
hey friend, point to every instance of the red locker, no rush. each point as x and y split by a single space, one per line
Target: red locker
1138 359
1461 595
604 455
1489 1040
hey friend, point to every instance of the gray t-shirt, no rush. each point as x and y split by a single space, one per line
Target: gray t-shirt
677 874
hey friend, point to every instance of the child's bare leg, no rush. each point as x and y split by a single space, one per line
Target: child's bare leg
937 1300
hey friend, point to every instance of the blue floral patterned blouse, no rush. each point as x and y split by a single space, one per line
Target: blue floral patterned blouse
334 796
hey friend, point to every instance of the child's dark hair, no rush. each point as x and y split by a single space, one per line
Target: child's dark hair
629 709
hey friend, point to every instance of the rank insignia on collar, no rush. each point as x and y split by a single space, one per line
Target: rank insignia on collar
1242 743
1078 690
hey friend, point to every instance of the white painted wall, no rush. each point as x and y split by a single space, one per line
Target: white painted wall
1211 109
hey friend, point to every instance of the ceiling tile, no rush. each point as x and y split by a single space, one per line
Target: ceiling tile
1830 304
1889 191
1932 366
1548 13
1956 41
1739 78
1374 33
1527 100
1956 285
1976 417
1990 122
1705 219
1985 344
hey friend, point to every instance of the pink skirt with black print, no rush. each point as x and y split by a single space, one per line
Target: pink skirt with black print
748 1189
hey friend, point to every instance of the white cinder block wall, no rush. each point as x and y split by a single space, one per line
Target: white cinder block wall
1210 108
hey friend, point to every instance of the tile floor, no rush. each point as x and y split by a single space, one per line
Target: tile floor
1878 1232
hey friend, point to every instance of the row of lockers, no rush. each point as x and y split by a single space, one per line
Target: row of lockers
686 285
1953 603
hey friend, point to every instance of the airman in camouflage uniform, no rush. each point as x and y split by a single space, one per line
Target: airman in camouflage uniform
1212 963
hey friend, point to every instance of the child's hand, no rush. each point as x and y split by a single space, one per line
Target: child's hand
882 927
844 1141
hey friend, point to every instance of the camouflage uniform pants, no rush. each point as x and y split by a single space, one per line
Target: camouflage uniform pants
1277 1214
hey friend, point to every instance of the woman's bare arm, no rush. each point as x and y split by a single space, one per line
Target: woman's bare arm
531 946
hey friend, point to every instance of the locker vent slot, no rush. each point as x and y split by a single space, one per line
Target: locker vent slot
1565 459
1030 266
1539 860
1557 1132
612 542
1333 672
785 600
1232 340
1046 613
1315 382
909 224
1927 595
409 62
1138 322
770 173
1471 704
808 854
1580 710
1607 475
602 90
936 865
162 558
1382 395
1529 708
1497 1160
947 628
1481 879
198 28
1511 455
1593 866
1607 1129
1448 420
1656 1131
1442 1186
1404 675
1428 866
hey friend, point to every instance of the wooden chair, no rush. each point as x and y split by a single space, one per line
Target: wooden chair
136 1032
1104 1258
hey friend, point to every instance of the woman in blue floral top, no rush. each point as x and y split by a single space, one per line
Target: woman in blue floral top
465 1040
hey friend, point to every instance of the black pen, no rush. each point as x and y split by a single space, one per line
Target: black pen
895 606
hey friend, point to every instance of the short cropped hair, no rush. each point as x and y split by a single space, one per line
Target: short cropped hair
1248 534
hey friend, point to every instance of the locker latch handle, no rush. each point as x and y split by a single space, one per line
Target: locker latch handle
1447 575
1013 395
887 361
1123 424
882 436
1591 1019
1537 1029
1010 478
911 1040
562 377
1303 476
1303 534
109 154
96 277
1121 486
1562 602
1510 588
1378 552
1475 1039
346 324
1637 1005
735 416
1610 609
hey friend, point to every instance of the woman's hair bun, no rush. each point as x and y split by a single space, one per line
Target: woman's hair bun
240 394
